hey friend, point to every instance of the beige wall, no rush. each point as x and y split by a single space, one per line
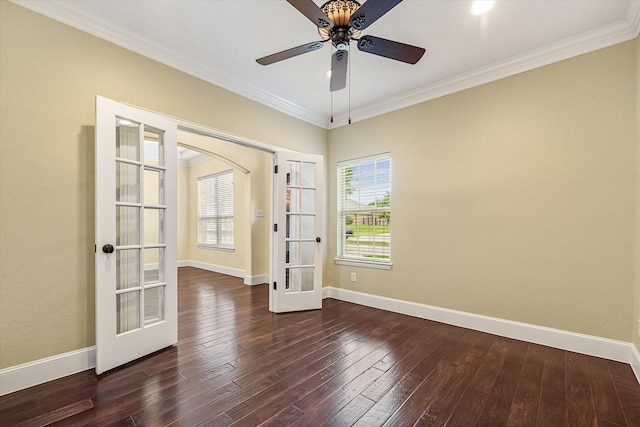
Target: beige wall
524 190
232 259
49 76
255 189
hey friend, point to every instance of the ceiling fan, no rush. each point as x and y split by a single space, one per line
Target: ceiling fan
340 21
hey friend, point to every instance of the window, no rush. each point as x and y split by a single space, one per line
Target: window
364 209
215 210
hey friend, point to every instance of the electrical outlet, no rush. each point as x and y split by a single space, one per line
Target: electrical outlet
353 276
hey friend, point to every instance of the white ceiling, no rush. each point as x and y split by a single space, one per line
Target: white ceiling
219 40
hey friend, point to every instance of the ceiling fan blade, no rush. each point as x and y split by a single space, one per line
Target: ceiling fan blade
309 9
339 70
390 49
370 12
289 53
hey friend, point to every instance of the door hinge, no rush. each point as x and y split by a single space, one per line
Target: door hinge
275 227
275 169
95 249
275 286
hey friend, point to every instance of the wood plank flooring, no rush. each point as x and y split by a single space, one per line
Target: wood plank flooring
238 364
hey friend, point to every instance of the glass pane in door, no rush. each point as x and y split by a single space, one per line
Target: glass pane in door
127 268
307 253
127 312
292 282
153 305
306 279
307 226
153 226
154 265
127 226
292 253
293 200
293 226
307 201
308 175
127 139
153 147
153 187
127 182
293 173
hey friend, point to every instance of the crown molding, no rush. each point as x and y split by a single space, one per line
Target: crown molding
605 36
62 13
200 158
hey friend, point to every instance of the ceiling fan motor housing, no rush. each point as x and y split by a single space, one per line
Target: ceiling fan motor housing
340 37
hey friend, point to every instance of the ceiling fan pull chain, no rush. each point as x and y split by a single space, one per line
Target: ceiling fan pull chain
331 106
349 85
330 91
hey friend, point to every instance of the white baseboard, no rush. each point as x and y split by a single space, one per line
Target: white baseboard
235 272
40 371
635 361
256 280
586 344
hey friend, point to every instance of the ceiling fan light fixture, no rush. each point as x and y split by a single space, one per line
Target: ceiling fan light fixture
480 7
339 11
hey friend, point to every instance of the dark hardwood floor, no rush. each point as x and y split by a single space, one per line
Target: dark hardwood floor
238 364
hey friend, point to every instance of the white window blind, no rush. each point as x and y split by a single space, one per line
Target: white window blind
215 210
364 209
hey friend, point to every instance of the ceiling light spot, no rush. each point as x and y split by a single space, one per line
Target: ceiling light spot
480 7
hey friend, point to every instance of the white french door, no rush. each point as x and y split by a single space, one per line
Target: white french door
297 252
136 273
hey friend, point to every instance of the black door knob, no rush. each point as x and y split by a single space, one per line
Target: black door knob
318 239
107 249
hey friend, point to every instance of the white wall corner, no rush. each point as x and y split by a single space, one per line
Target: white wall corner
635 361
633 16
256 280
326 292
41 371
580 343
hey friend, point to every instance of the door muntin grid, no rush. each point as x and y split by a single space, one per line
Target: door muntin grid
140 226
300 244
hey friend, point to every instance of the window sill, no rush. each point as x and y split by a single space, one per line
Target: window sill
217 248
363 263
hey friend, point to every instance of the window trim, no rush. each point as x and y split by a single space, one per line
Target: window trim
218 246
358 261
